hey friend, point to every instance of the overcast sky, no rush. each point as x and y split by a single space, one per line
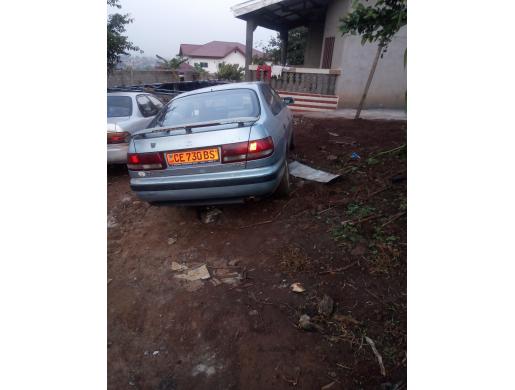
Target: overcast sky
160 26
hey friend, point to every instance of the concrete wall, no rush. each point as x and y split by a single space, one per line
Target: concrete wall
355 60
126 77
212 63
314 43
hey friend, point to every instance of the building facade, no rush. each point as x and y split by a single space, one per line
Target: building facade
211 54
326 48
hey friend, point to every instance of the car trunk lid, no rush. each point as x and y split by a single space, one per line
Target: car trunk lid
193 138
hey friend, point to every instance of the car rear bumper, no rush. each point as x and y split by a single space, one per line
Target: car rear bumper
210 188
117 153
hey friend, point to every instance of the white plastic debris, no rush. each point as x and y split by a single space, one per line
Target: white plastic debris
297 287
199 273
178 267
303 171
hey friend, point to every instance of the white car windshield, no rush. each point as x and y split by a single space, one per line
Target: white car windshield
118 106
211 106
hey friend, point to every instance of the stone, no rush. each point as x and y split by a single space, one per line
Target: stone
210 216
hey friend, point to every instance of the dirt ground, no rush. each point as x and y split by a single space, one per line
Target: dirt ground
240 328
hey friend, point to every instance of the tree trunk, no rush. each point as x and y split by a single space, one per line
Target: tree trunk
369 81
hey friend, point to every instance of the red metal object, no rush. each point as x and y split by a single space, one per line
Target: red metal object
265 70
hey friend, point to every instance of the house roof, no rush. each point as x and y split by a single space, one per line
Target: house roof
185 67
214 49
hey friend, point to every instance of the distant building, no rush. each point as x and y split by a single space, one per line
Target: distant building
211 54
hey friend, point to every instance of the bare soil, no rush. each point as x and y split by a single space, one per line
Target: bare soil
346 239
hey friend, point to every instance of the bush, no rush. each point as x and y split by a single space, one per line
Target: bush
229 72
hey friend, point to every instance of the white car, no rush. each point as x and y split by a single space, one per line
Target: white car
127 112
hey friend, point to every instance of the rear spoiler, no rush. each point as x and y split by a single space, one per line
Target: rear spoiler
242 121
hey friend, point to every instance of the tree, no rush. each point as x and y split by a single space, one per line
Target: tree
200 70
294 51
377 23
117 43
173 63
229 72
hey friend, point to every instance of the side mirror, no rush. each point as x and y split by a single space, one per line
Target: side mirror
288 100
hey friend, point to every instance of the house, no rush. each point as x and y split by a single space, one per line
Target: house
334 65
213 53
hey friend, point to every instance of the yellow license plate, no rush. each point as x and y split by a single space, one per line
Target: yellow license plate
193 156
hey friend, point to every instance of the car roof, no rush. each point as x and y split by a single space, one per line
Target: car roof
222 87
132 94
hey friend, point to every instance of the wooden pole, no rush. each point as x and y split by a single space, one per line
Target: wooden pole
284 46
369 81
251 26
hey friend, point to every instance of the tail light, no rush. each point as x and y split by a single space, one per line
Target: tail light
145 161
244 151
118 137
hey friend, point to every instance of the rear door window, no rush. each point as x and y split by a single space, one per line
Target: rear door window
156 102
274 102
145 106
277 102
118 106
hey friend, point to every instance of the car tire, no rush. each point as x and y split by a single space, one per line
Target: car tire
283 190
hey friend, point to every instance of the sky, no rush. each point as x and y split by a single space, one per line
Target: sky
160 26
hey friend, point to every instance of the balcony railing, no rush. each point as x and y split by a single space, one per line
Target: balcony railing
293 79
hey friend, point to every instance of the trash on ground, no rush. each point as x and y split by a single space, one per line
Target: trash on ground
233 263
297 287
232 280
155 353
355 156
111 222
215 282
328 386
172 240
253 313
303 171
377 355
306 324
333 134
109 280
326 306
199 273
178 267
228 276
210 215
332 157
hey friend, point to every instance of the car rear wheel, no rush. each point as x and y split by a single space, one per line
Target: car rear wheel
284 187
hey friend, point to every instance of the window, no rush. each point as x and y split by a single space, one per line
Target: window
145 106
272 99
277 102
156 102
118 106
210 106
327 58
203 64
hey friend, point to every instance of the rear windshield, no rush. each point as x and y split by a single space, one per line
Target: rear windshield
119 106
210 106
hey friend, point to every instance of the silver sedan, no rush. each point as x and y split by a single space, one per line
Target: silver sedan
127 112
222 144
